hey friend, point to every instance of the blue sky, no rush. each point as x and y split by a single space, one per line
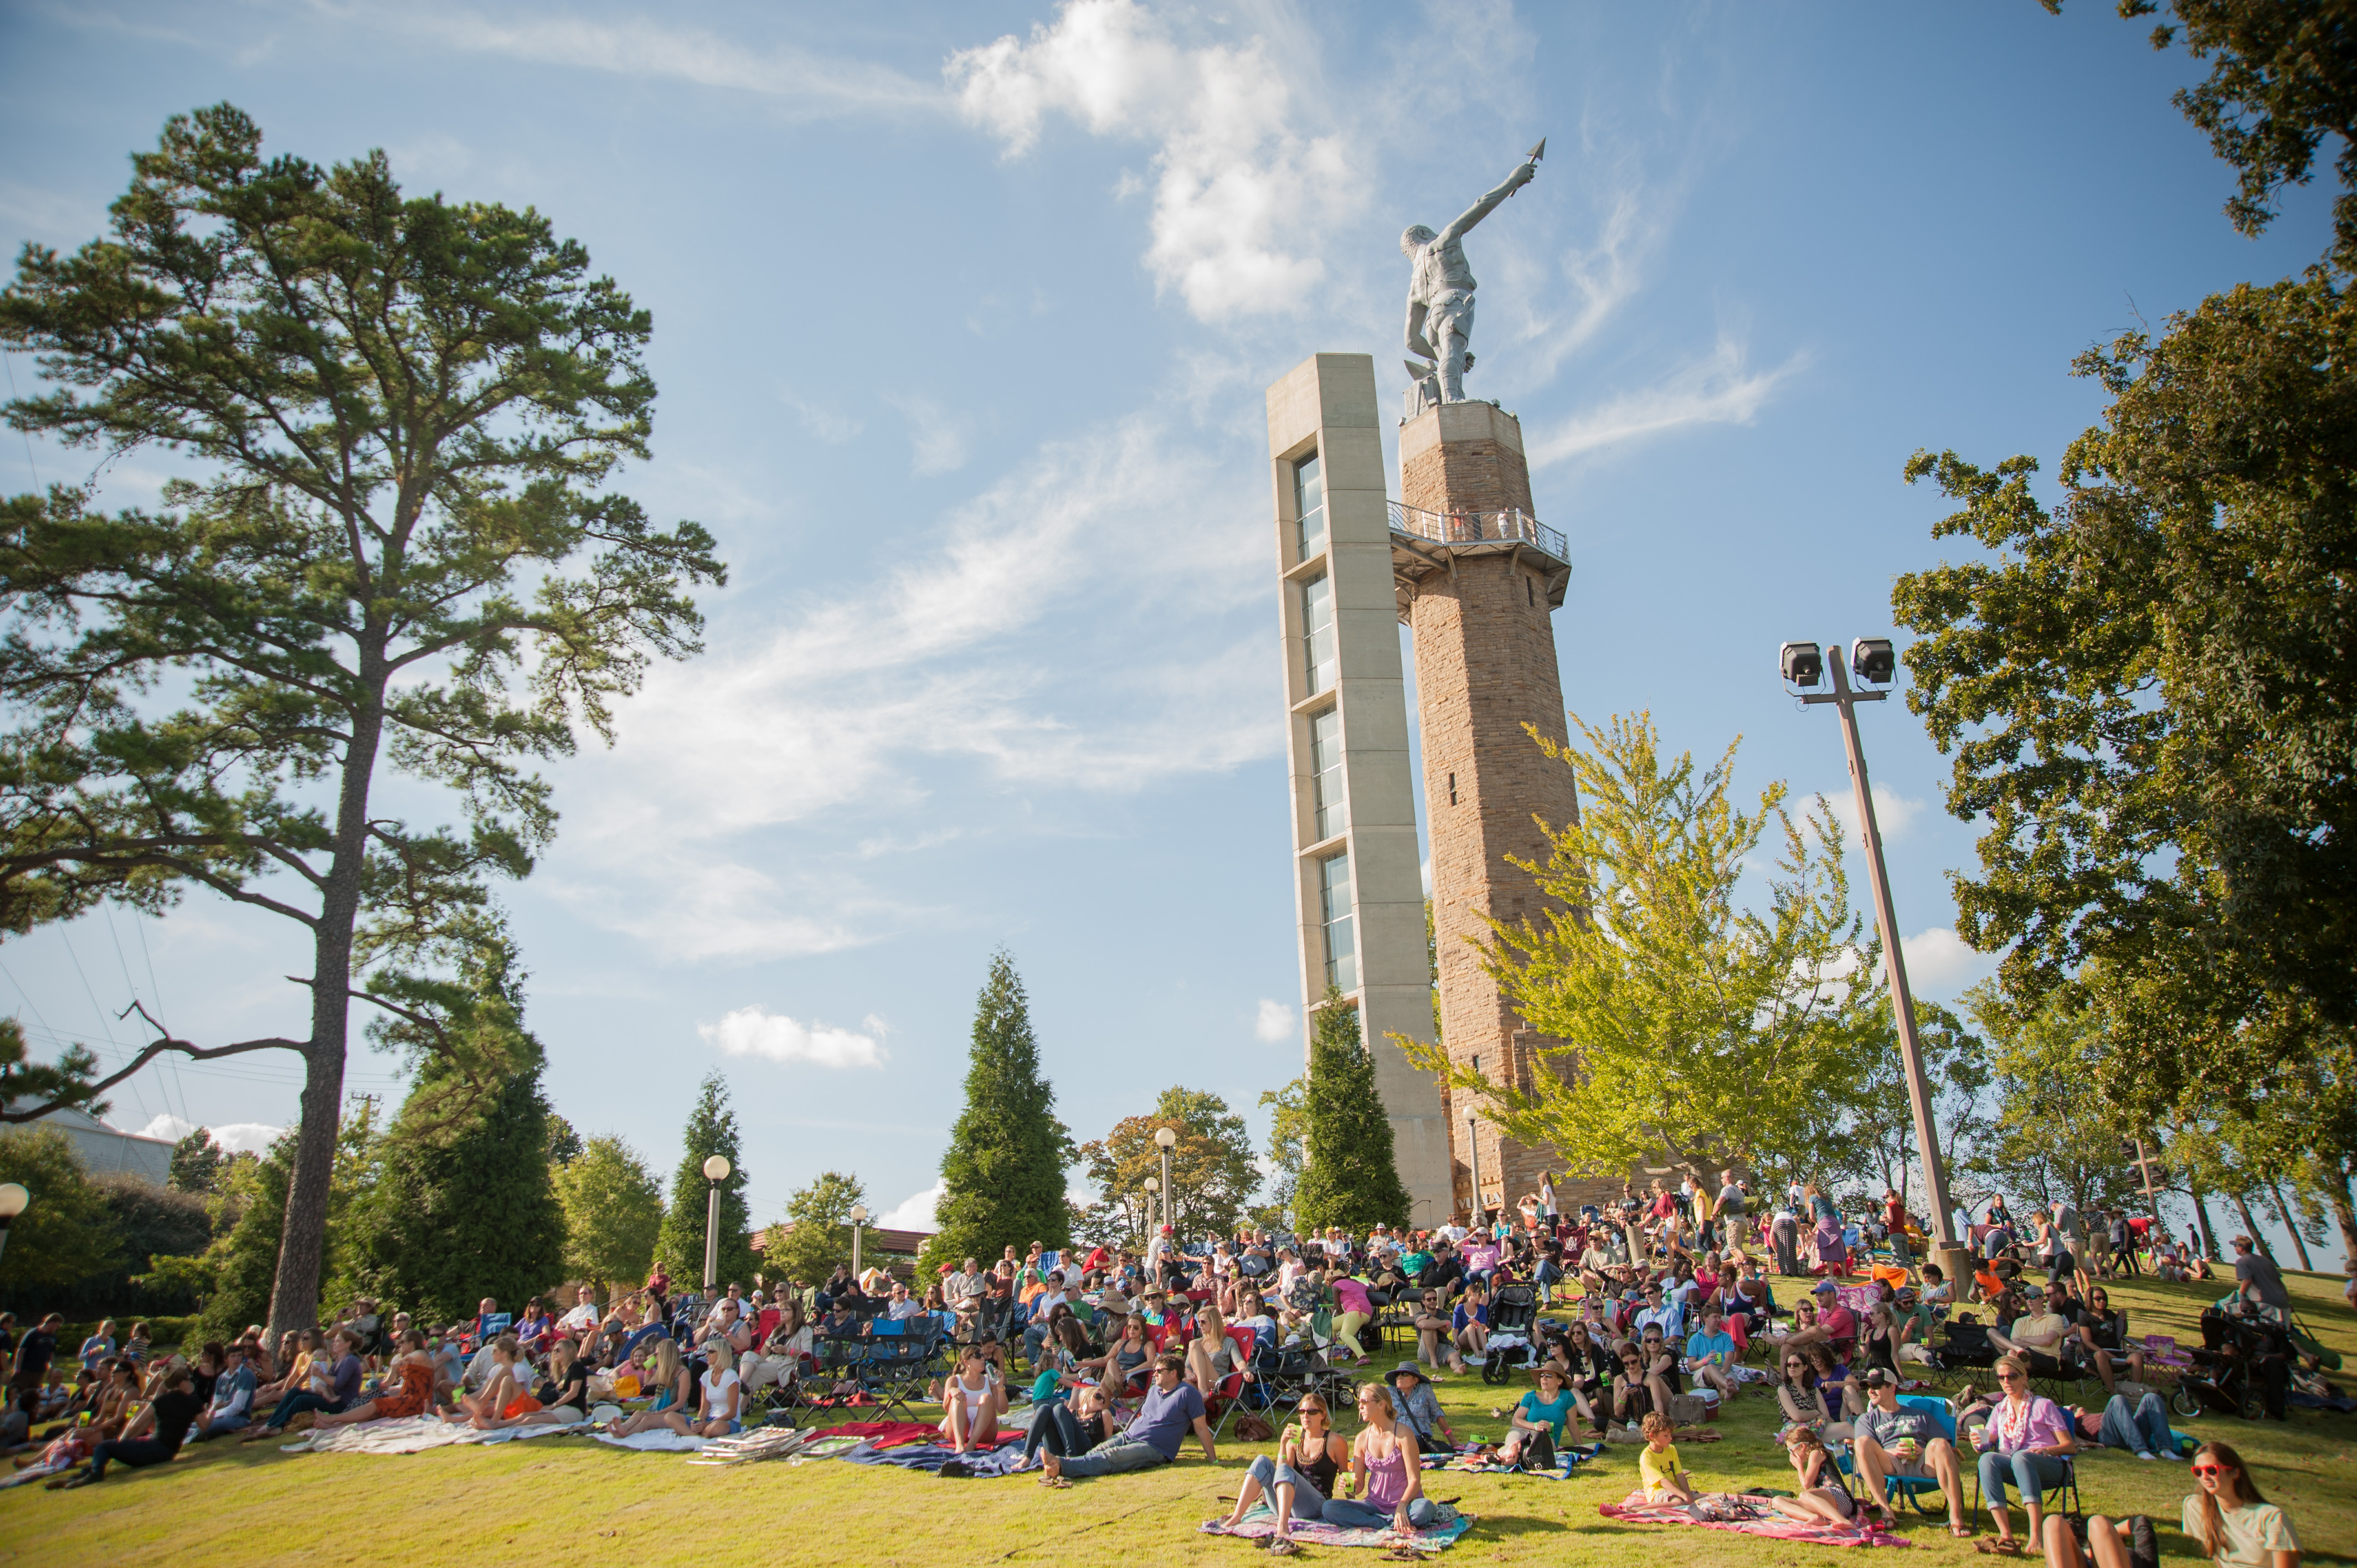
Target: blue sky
962 316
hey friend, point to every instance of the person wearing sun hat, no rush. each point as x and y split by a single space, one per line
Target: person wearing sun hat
1413 1403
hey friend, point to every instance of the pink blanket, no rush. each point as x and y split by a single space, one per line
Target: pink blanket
1775 1526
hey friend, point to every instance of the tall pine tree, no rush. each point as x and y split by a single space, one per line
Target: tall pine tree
463 1204
1003 1174
711 1130
1348 1174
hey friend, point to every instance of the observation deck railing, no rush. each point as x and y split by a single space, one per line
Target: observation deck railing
1477 528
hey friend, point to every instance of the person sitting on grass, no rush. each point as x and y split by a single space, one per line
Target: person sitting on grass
505 1394
2227 1516
1819 1498
1418 1410
99 1349
1664 1479
1072 1425
407 1390
667 1380
2027 1440
1711 1352
974 1397
1124 1367
1540 1421
1386 1473
232 1402
1173 1407
2142 1430
1469 1324
153 1437
1895 1440
1805 1402
723 1414
1299 1481
336 1386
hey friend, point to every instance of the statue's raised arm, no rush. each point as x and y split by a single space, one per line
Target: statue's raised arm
1524 172
1441 291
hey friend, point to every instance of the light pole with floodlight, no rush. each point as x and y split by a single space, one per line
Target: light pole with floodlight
715 1171
858 1219
12 1199
1165 1140
1872 661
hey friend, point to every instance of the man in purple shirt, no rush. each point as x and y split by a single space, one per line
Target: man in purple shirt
1172 1407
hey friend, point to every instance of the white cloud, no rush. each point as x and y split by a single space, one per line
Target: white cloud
1275 1021
1894 813
236 1137
915 1212
805 85
1938 959
1716 389
937 438
756 1032
1235 184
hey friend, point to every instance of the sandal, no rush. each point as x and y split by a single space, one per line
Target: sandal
1998 1546
1283 1546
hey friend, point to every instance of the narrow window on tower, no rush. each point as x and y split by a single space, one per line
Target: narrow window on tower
1318 632
1309 508
1327 799
1452 788
1530 591
1341 951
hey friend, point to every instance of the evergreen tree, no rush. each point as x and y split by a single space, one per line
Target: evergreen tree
711 1130
462 1206
1004 1171
1348 1174
196 1162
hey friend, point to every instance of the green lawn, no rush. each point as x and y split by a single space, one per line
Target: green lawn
573 1501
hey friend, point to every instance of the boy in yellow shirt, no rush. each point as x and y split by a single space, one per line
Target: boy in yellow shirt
1665 1479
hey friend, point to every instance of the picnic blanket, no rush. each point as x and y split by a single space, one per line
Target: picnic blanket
1635 1509
1261 1520
413 1435
662 1441
894 1433
1002 1460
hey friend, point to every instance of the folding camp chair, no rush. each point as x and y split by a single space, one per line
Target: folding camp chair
1230 1394
1914 1489
2067 1489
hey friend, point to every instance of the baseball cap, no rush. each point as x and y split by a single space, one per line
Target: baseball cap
1879 1378
1824 1285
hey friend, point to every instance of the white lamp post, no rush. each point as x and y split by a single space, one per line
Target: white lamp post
1165 1140
1152 1186
715 1171
858 1219
12 1199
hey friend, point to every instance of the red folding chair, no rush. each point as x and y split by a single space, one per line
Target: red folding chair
1229 1396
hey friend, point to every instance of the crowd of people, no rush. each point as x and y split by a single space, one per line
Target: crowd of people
1129 1353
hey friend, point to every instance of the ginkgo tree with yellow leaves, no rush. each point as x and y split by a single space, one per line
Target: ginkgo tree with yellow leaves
1687 1025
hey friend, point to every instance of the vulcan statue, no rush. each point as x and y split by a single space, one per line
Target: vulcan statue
1440 292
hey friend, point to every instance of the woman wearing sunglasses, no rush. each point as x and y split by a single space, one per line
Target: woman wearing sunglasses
2234 1525
2028 1441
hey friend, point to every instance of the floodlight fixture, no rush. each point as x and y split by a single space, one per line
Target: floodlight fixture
1804 663
1872 662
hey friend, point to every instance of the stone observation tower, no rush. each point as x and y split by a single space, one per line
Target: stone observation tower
1462 562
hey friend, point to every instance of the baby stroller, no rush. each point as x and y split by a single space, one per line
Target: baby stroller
1513 1341
2244 1368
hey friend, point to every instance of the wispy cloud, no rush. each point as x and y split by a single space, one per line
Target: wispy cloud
938 438
757 1032
1237 184
236 1137
805 85
1716 389
1136 546
830 425
1893 813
